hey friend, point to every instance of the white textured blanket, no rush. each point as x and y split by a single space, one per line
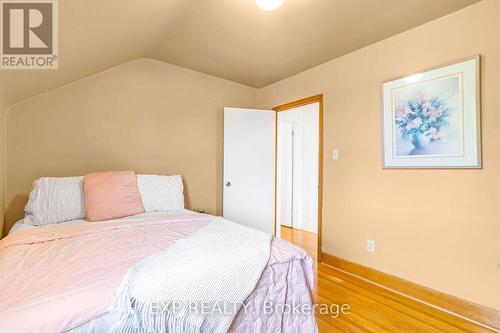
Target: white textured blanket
197 285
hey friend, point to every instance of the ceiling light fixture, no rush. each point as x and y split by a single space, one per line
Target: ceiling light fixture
269 4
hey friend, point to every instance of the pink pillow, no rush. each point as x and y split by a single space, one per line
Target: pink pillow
111 194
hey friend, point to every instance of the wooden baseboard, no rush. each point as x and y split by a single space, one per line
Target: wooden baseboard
462 308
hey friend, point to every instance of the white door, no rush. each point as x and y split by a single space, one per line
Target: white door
249 167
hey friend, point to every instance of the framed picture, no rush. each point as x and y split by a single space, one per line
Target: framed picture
432 119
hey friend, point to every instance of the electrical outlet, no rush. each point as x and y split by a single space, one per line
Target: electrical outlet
370 245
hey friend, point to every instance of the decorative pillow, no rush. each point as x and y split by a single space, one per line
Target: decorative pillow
111 194
55 200
161 193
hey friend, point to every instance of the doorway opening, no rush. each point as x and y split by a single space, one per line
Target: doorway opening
299 173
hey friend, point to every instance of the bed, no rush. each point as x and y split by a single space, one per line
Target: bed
64 277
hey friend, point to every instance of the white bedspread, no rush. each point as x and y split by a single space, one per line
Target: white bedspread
197 285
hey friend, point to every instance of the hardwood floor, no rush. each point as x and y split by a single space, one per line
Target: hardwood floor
371 308
304 239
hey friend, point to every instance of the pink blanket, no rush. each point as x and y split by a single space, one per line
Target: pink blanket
61 277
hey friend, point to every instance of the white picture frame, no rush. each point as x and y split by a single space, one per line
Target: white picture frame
432 119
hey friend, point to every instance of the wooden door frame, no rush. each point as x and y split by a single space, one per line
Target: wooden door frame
288 106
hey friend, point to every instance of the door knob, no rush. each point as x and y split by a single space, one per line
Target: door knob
228 184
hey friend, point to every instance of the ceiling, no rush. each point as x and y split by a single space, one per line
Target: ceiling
231 39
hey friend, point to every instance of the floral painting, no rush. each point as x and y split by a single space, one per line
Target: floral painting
432 119
428 118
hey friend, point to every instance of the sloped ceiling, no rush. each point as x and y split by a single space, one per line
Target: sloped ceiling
231 39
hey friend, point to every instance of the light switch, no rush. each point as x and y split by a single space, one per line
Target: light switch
336 154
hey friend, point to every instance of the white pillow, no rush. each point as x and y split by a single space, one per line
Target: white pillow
161 193
55 200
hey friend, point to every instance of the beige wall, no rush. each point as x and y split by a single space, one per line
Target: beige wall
2 165
143 115
439 228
